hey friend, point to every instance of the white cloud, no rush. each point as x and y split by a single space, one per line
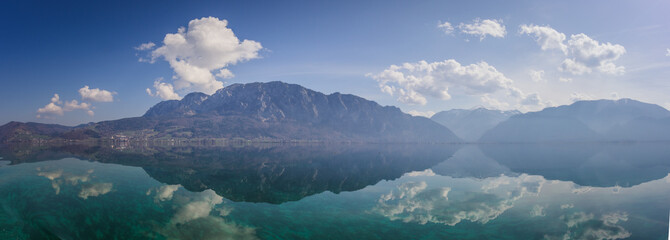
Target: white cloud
145 46
56 99
446 27
163 90
546 37
427 114
74 105
583 53
531 100
96 94
51 109
492 103
206 46
537 76
614 95
481 28
57 108
574 67
594 54
565 79
412 83
577 96
225 73
668 52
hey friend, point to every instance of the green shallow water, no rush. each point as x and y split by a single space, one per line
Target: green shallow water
600 191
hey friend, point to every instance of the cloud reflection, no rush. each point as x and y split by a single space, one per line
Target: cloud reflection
416 202
193 220
58 178
581 225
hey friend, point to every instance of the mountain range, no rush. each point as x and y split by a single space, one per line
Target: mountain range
277 111
255 111
470 125
586 121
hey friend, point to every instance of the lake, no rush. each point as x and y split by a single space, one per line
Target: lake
336 191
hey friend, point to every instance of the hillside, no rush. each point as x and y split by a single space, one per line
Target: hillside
597 120
270 111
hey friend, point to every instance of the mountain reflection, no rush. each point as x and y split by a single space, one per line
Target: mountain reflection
276 173
263 173
590 164
357 192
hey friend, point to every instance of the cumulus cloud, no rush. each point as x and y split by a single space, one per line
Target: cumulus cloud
574 67
667 52
532 99
412 83
145 46
57 108
546 37
75 105
565 79
493 103
163 90
578 96
96 94
481 28
446 27
427 114
594 54
614 95
200 53
583 54
536 75
51 108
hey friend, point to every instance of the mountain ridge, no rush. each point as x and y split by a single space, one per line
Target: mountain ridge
471 124
273 111
584 121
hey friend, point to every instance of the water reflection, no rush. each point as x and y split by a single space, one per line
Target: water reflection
478 201
267 173
102 201
617 191
601 165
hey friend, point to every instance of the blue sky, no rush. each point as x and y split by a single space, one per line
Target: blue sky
392 52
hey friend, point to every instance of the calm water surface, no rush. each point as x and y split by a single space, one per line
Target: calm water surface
566 191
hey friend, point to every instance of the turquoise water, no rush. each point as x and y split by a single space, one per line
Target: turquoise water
569 191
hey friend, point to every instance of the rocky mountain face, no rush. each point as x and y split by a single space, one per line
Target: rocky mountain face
598 120
275 110
289 111
471 124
